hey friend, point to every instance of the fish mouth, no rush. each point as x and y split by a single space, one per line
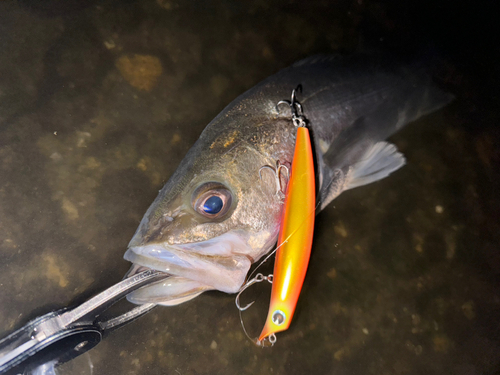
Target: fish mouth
218 263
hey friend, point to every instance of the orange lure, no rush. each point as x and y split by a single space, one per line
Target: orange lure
295 238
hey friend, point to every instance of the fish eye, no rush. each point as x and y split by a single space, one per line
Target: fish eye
212 200
213 205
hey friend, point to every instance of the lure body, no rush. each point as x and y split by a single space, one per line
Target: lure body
295 238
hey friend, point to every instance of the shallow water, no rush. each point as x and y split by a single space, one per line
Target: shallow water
99 102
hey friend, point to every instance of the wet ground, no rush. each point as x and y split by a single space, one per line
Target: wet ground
99 101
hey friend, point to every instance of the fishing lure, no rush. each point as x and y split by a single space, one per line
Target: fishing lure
296 231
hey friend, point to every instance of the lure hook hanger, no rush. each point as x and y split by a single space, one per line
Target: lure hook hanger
257 279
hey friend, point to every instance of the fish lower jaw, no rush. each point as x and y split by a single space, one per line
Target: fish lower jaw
217 264
190 273
170 291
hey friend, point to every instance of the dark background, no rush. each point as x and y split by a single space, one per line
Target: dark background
100 100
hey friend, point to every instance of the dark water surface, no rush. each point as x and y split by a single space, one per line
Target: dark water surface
99 102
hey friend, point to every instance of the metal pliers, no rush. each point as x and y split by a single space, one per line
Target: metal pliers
62 335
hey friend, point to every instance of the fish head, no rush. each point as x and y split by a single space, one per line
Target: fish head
215 217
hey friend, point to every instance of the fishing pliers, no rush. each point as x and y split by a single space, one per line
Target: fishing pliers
62 335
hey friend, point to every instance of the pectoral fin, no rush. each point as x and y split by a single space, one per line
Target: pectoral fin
379 161
359 155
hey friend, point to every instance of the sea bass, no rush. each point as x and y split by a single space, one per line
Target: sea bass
217 214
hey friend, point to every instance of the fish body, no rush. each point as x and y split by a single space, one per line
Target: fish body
216 216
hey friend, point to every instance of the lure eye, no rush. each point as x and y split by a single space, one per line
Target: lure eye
212 200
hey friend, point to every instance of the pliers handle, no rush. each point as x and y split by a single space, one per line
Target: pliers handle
62 335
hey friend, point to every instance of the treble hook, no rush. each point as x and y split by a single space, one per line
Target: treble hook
257 279
293 103
280 191
296 108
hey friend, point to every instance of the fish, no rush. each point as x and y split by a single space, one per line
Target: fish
217 215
